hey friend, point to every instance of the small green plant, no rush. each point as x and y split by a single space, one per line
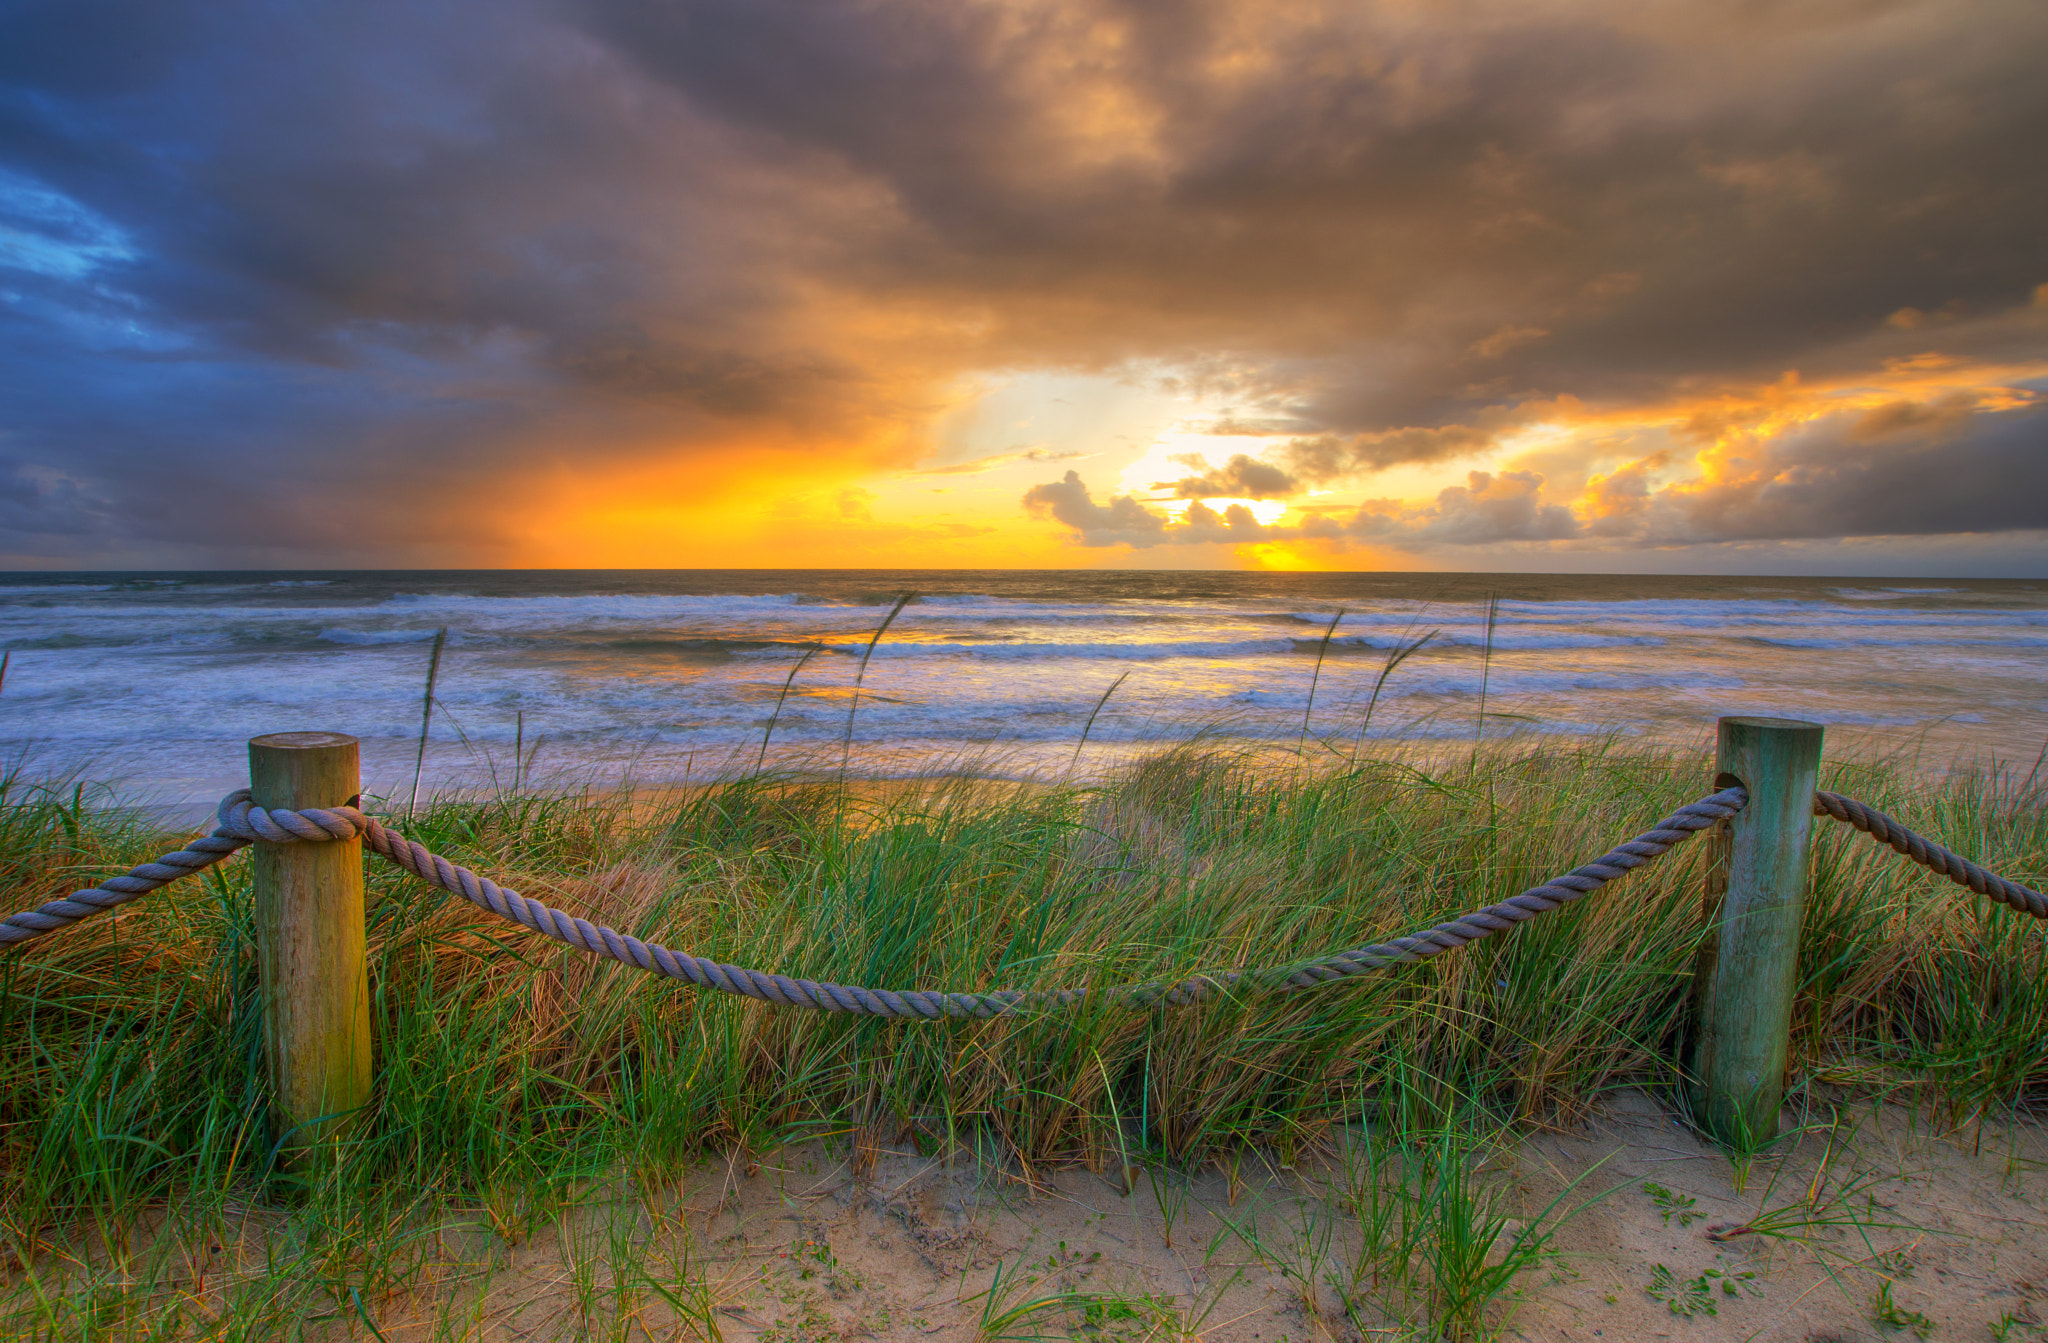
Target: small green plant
1009 1315
805 1322
1889 1314
1120 1317
2017 1327
1433 1235
1169 1195
814 1259
1828 1205
1672 1204
1703 1295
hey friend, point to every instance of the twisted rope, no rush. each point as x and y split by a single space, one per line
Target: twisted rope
929 1004
1673 830
196 856
243 823
1930 855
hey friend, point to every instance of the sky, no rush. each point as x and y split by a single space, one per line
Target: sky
1540 285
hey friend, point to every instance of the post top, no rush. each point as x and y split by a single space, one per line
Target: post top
302 741
1777 724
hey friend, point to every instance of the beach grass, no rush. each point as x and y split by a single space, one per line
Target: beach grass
512 1073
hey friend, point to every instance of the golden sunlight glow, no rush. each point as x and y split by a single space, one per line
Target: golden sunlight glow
951 495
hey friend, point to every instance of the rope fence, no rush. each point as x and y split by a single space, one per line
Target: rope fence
242 823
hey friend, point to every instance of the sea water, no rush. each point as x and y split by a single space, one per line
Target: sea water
155 681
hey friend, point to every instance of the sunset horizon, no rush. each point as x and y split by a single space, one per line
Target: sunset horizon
1578 287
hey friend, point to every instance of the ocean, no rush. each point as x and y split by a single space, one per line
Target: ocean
154 681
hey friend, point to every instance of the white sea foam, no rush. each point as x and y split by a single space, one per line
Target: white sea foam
169 676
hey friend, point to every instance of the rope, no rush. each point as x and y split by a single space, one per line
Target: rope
243 823
196 856
1674 829
931 1004
1930 855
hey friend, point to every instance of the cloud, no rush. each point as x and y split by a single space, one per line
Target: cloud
1327 457
1235 525
1242 477
1485 510
1898 469
43 511
1122 521
1506 339
306 284
1126 521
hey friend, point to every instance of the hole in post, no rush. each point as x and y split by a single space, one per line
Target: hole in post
1726 780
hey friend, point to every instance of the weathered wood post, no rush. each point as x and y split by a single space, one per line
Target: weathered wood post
1757 880
310 942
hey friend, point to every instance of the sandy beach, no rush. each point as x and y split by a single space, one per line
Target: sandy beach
1874 1224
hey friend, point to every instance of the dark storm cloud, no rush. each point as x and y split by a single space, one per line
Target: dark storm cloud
1906 469
405 250
1533 197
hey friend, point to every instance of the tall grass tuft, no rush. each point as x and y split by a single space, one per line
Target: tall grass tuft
781 697
1403 649
861 674
1486 665
1093 714
1316 677
427 718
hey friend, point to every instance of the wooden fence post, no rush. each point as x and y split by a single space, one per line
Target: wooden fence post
1756 900
310 942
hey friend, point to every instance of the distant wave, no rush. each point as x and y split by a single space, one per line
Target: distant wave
342 636
1796 641
49 589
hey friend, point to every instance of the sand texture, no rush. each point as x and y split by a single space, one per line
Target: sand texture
1873 1224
